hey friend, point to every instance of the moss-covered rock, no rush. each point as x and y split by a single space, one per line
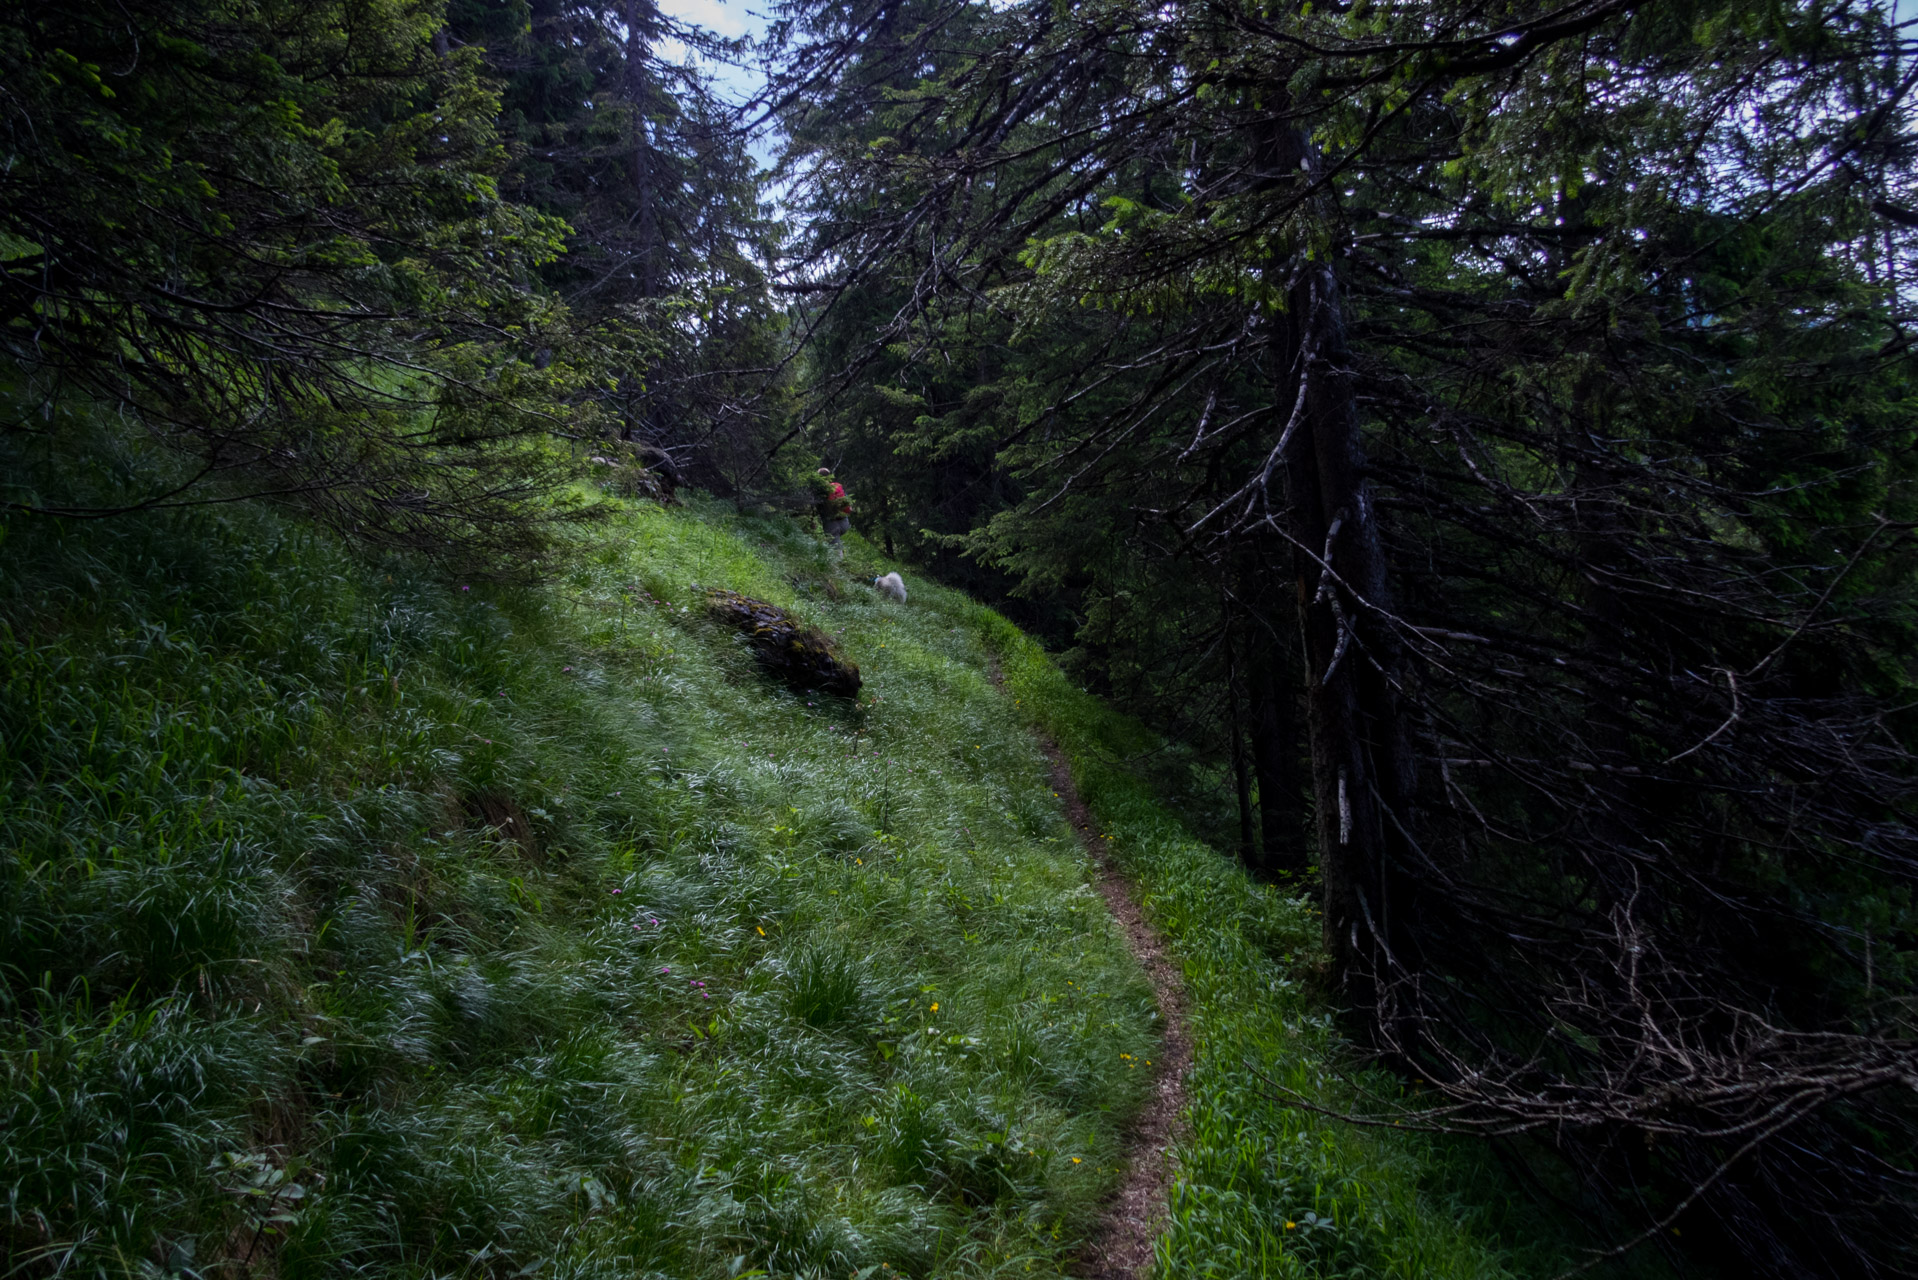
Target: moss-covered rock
804 657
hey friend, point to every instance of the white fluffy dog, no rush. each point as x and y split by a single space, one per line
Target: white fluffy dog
893 585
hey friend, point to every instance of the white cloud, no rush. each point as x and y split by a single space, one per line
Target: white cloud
716 16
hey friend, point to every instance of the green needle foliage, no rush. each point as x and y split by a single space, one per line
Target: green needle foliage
272 235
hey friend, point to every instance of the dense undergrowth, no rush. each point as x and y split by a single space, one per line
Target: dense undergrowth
357 922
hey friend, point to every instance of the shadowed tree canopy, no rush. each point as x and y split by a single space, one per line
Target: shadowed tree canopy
273 236
667 231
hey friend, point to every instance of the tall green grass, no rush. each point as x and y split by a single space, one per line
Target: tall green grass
356 922
353 922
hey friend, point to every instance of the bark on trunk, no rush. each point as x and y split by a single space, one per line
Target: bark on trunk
641 19
1361 768
1275 753
1242 782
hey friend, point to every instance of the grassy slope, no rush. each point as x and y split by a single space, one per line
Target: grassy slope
355 922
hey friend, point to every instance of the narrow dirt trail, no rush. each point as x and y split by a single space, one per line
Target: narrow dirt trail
1120 1247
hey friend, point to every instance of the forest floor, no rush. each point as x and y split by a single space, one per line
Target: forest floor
360 920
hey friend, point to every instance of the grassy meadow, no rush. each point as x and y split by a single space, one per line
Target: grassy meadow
358 922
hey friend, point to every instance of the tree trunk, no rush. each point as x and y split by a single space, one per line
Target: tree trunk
1275 755
1234 700
1361 774
641 19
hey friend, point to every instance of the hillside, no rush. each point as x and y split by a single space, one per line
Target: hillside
359 922
1414 770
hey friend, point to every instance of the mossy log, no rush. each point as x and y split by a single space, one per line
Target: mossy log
804 657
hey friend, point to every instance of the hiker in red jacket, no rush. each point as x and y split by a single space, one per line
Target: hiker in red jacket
835 508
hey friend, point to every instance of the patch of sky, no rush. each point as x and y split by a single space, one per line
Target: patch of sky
738 81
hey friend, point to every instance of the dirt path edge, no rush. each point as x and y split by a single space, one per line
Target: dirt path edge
1120 1246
